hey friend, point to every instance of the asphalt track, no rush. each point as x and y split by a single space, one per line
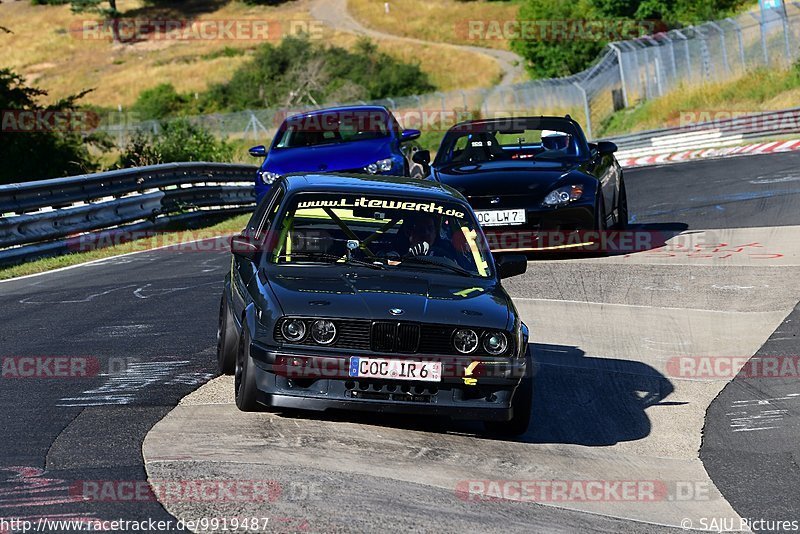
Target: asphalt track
608 404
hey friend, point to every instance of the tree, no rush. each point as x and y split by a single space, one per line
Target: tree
42 141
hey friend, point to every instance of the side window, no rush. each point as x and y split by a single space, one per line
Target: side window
272 208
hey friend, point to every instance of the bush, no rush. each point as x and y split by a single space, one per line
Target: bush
179 140
159 102
293 73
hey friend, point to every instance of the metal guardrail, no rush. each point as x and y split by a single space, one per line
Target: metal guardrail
49 217
721 133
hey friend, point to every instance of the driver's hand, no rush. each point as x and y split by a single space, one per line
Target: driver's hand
420 249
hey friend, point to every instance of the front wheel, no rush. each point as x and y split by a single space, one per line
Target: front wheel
227 342
245 377
622 208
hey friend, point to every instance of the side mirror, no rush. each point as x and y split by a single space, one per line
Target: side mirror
423 157
408 135
606 147
243 247
511 265
259 151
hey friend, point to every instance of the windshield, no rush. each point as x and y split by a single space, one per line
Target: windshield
392 233
488 142
335 127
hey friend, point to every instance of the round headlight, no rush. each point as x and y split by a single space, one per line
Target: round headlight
465 341
495 343
372 168
323 332
294 329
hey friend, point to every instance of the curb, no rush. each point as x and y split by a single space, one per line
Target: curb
687 155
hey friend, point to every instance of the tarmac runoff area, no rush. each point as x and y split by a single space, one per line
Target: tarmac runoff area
630 352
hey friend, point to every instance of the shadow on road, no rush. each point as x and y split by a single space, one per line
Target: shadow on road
591 401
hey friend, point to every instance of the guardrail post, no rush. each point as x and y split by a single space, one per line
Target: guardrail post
586 109
618 52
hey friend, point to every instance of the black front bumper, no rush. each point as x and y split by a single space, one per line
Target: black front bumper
485 398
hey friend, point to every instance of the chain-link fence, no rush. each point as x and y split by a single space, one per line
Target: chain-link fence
628 72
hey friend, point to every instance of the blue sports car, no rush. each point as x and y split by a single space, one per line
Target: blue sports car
356 139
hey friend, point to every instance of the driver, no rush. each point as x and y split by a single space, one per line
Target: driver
421 232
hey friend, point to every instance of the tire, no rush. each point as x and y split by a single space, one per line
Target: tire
600 214
622 207
522 403
244 376
227 340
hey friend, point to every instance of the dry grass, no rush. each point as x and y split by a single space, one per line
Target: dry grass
756 91
45 50
434 20
448 69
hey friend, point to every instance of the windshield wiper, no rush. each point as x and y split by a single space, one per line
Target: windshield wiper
428 260
331 258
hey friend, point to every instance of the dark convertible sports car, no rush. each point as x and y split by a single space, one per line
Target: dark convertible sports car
373 293
535 182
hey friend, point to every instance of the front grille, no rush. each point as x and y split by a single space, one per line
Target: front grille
383 336
395 337
408 337
389 336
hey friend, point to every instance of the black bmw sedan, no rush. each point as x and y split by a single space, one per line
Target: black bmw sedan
535 182
373 293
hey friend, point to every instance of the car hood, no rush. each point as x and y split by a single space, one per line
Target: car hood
504 178
328 291
328 158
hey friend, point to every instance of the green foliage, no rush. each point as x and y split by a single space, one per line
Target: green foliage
159 102
549 56
179 140
297 72
44 149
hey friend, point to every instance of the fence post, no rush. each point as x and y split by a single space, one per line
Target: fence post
785 21
586 109
724 46
673 63
760 21
705 55
618 52
741 42
686 53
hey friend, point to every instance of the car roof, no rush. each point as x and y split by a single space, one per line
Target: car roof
338 109
518 120
373 184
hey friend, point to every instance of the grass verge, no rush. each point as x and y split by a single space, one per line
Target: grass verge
228 226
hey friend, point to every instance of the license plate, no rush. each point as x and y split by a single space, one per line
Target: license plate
501 217
395 369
